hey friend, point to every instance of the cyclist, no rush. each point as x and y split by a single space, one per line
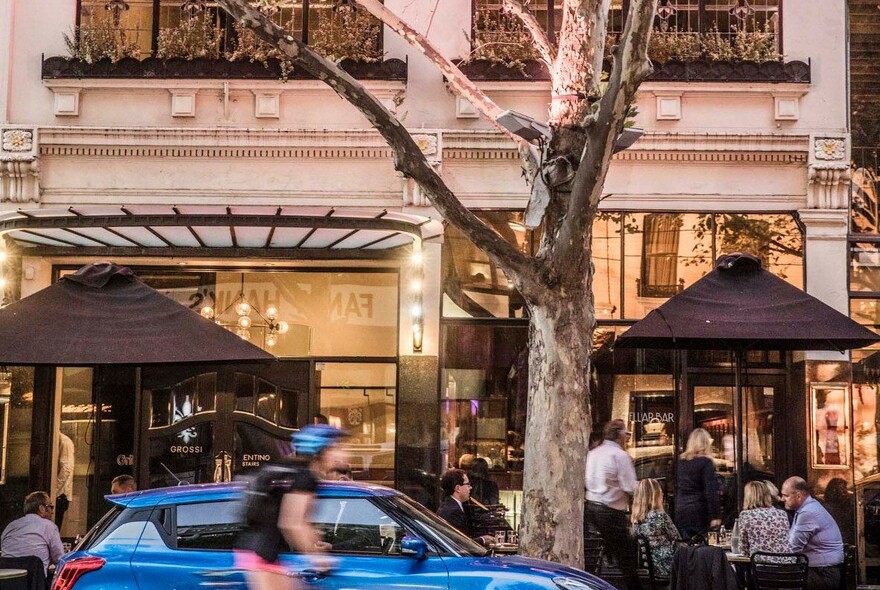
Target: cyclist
278 506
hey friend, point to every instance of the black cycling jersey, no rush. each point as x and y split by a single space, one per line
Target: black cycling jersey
262 506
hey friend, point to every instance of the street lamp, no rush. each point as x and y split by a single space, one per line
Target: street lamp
529 129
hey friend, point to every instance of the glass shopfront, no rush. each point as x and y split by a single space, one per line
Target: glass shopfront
640 260
193 424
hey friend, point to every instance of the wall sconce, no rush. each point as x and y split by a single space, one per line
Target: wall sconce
417 336
415 289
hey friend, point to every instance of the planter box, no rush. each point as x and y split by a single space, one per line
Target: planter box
151 67
672 71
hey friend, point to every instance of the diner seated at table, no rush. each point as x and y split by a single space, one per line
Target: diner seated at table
35 533
815 534
652 522
761 526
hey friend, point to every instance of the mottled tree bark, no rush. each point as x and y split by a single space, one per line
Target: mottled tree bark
556 283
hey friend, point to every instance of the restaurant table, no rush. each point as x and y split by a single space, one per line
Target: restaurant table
741 565
506 548
10 574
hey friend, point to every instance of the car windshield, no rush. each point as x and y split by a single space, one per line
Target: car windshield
435 529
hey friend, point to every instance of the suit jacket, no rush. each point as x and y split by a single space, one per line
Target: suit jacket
452 513
701 568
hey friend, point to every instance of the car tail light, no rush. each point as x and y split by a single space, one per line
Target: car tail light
72 570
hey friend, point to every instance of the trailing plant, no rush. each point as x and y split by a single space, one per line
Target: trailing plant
674 45
102 38
345 32
192 38
249 48
502 39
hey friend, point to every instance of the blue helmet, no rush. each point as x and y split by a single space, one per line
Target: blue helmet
314 438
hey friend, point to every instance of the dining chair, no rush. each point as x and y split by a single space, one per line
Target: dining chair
779 571
594 548
849 573
646 564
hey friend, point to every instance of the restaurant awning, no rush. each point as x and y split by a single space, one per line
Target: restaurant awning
314 233
740 306
104 315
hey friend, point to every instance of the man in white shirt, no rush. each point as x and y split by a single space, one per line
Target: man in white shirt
64 487
34 533
610 481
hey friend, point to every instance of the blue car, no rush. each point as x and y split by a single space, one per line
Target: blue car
182 539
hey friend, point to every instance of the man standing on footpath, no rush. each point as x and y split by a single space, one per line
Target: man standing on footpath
815 534
610 481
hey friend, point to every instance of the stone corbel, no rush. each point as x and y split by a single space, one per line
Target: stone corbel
19 165
431 145
829 172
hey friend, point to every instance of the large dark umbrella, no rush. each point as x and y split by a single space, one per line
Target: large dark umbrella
104 315
739 306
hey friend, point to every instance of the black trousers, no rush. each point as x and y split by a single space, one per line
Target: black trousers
824 578
613 527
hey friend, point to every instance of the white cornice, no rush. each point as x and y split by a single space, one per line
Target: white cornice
457 145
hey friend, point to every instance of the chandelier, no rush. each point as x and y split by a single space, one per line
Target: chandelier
243 323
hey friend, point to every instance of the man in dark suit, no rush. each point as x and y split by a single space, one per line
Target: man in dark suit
457 491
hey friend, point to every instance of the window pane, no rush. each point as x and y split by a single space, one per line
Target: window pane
775 239
606 262
660 261
866 188
211 525
362 398
472 285
112 25
356 525
16 417
245 396
864 260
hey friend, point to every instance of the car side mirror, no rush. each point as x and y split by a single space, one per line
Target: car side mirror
413 547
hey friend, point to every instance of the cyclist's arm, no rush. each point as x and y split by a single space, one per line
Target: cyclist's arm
293 522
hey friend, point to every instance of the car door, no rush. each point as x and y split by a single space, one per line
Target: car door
365 541
185 542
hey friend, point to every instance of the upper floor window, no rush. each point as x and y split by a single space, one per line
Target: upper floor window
199 29
685 30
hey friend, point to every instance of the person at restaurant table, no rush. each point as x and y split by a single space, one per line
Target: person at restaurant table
122 484
34 533
483 489
457 490
696 500
815 534
761 526
610 481
650 520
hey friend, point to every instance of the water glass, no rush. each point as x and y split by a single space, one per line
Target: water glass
499 537
512 537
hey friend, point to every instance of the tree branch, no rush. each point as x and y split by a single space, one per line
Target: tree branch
578 64
631 67
542 42
456 79
408 158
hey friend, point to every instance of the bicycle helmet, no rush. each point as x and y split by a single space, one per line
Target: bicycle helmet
314 438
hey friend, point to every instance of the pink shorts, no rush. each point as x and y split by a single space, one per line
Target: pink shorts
250 561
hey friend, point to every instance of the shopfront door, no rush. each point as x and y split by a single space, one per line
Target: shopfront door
208 424
711 400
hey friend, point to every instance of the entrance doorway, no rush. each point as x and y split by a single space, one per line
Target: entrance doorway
208 424
745 446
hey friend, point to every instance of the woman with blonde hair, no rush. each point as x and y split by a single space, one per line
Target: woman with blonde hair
651 521
696 500
761 526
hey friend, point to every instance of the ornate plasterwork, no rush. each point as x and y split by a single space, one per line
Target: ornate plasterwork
829 173
829 148
19 165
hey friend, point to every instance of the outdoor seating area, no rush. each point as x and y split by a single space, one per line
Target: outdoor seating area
760 571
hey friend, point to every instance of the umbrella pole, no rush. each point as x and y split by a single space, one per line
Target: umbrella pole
738 425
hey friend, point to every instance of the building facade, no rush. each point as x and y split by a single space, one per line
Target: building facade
164 140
